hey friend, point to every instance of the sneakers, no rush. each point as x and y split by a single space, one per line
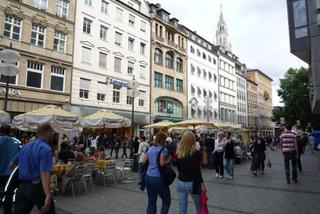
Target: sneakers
227 176
220 176
230 177
217 175
255 174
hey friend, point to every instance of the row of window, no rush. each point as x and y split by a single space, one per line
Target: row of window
227 98
169 82
241 83
176 41
242 120
204 73
35 73
226 67
104 8
203 114
62 7
241 107
204 92
203 55
227 83
227 115
252 97
169 60
87 58
241 95
12 30
86 87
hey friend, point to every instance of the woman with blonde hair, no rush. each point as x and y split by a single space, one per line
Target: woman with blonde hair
190 179
154 184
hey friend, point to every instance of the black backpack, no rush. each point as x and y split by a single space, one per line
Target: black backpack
166 172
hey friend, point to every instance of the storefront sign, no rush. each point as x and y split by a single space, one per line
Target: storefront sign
118 83
12 92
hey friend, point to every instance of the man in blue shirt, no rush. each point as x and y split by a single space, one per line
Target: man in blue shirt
35 165
9 147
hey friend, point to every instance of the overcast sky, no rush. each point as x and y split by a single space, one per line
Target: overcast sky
258 30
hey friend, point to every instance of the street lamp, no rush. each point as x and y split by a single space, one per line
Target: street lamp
133 92
9 60
208 102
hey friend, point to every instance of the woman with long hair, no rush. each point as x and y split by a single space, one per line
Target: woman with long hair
154 184
218 154
190 178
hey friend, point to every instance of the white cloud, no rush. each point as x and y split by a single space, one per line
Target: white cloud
258 31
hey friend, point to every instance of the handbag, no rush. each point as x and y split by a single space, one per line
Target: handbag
167 174
204 207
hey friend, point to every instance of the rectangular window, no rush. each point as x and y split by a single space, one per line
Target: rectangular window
101 97
158 79
131 20
57 78
86 55
130 68
62 8
104 7
117 64
142 72
103 32
60 41
116 94
169 83
12 27
142 48
85 85
142 95
179 85
38 35
34 74
86 28
88 2
130 44
143 26
41 4
129 100
118 38
119 15
102 60
12 80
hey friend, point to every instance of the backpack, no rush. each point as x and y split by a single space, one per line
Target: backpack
167 174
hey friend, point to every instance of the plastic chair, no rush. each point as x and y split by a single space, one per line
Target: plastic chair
125 170
79 179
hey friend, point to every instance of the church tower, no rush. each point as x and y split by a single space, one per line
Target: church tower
222 36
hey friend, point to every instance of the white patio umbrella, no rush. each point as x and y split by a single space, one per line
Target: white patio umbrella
4 117
105 119
61 120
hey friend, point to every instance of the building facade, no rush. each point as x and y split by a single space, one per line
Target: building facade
168 67
42 32
242 104
203 75
264 94
252 104
112 45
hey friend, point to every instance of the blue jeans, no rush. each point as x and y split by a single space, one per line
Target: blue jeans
229 166
183 189
155 187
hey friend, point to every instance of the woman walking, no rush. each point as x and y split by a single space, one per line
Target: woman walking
154 183
218 154
189 179
259 155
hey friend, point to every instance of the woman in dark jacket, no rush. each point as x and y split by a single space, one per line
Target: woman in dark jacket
259 155
189 179
229 155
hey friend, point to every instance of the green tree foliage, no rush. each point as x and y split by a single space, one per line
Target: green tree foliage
294 94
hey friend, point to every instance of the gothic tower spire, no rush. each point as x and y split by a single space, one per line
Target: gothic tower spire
222 36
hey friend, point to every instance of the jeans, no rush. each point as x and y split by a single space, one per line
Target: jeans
155 187
219 162
287 157
183 189
229 166
28 195
210 160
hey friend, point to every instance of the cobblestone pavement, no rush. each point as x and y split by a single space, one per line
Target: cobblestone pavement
245 194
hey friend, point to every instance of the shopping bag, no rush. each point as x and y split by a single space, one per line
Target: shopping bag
269 164
204 206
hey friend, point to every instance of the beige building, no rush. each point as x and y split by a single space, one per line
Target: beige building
168 67
252 104
42 32
264 95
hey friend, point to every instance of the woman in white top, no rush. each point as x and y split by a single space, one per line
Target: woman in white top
142 151
219 145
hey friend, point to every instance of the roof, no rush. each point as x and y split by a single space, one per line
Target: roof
259 71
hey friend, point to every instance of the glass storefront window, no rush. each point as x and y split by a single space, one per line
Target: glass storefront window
168 107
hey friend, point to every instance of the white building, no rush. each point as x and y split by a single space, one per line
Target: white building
242 104
202 78
112 43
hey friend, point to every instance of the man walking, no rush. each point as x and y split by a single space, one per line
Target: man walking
35 165
289 146
8 149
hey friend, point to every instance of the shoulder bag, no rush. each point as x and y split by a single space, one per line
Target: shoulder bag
166 172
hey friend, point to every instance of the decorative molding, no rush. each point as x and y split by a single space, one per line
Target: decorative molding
118 54
103 49
130 58
39 19
143 63
61 26
14 10
87 43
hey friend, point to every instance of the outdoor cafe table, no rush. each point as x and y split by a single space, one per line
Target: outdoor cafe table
61 169
102 164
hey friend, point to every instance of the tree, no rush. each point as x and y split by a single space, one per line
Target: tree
294 94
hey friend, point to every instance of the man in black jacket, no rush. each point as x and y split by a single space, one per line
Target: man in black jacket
229 155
